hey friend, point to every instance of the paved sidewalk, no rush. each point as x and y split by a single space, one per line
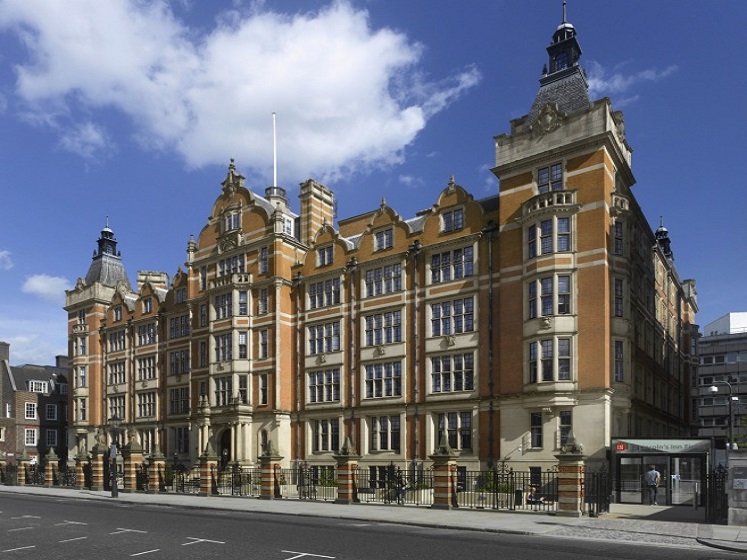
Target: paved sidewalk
657 525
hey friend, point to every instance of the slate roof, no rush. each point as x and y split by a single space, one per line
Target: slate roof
108 270
568 89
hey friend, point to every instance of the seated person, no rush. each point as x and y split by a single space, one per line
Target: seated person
533 497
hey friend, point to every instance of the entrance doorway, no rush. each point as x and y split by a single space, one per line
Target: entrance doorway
225 449
682 478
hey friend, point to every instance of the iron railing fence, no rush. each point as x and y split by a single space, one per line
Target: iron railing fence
394 485
496 489
66 476
507 489
597 491
186 480
717 498
309 482
142 482
35 474
236 480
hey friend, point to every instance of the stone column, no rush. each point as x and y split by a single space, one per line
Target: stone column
51 468
571 479
444 476
270 474
156 466
347 467
132 455
99 454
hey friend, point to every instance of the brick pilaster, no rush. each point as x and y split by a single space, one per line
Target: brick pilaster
80 472
133 459
270 474
50 468
444 476
208 466
98 456
156 466
347 472
571 479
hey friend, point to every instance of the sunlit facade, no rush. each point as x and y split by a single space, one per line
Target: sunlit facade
502 324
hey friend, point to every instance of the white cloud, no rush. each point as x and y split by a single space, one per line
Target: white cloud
602 84
33 334
6 262
85 139
410 181
50 288
347 96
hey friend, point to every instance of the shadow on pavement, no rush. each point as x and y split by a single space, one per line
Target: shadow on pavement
683 514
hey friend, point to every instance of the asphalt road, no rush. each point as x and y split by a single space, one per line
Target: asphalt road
42 527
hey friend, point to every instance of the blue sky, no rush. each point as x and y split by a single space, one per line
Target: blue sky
133 109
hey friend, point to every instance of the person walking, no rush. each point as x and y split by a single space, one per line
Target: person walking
651 479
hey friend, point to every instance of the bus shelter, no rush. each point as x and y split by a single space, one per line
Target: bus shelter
683 464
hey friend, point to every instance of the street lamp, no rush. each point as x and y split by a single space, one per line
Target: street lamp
729 427
114 429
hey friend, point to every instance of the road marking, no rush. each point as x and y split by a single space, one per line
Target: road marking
21 548
302 554
66 522
75 539
20 529
145 552
195 540
121 530
27 517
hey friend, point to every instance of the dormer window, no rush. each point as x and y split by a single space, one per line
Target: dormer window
324 255
38 386
288 225
233 221
148 305
550 178
453 220
383 239
118 313
181 295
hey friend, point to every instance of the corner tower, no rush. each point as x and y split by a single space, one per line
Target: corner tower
86 305
577 276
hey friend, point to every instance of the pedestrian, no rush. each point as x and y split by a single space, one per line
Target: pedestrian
651 479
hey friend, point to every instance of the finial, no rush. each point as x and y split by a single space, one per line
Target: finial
107 220
383 202
231 166
661 221
564 18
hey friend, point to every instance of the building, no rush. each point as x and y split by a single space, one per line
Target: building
33 401
502 325
722 380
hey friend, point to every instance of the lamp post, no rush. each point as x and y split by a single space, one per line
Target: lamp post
114 429
729 427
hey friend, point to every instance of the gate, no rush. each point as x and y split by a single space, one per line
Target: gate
186 481
717 499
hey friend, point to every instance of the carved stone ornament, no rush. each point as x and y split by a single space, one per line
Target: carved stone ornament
229 241
549 119
546 322
620 125
450 340
380 350
321 359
